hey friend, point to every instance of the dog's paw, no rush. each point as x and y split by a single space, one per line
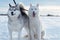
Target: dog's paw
26 36
35 36
42 34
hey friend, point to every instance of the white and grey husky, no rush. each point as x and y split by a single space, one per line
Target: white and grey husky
35 24
17 19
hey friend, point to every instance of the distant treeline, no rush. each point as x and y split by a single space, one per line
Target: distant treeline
40 15
51 15
3 14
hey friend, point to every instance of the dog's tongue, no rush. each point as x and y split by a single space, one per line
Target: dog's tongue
33 14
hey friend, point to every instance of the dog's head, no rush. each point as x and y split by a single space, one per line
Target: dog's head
13 11
33 10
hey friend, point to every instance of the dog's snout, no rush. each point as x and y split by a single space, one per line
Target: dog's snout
12 13
33 12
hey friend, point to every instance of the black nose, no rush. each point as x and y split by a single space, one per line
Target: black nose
12 13
33 11
33 14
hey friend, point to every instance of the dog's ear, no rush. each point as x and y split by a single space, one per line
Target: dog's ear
14 2
9 5
37 5
30 4
16 5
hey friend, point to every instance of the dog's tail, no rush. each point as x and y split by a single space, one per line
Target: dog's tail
23 10
14 2
22 7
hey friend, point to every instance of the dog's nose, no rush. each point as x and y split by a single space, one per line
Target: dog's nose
33 14
12 13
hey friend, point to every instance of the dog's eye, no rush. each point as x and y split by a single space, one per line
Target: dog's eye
35 9
14 10
31 9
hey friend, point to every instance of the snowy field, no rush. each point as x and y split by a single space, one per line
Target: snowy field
51 24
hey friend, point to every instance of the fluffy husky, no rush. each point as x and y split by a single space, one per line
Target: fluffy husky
17 19
25 18
35 24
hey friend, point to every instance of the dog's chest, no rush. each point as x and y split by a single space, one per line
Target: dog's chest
15 25
34 22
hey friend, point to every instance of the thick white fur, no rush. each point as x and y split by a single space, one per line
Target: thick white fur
15 24
35 24
25 20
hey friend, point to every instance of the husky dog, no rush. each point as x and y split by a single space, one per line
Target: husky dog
25 20
34 19
15 21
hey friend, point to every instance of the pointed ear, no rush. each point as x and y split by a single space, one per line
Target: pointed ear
14 2
16 5
9 5
37 5
30 5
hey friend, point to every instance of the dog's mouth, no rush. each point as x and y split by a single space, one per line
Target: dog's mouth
33 14
12 13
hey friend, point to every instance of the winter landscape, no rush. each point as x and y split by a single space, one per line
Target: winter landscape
51 24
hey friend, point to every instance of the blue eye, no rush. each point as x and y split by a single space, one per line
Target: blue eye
35 9
31 9
14 10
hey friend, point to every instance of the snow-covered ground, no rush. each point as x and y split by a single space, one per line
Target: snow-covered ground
51 24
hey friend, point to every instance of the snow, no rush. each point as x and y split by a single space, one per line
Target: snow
51 24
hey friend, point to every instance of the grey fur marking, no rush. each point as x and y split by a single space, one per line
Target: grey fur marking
13 8
14 2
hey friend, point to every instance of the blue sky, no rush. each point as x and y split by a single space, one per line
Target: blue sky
46 3
4 3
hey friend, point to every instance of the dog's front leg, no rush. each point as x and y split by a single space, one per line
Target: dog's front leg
19 33
32 35
38 34
10 34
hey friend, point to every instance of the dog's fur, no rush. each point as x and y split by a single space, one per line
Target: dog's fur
35 22
25 19
17 20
